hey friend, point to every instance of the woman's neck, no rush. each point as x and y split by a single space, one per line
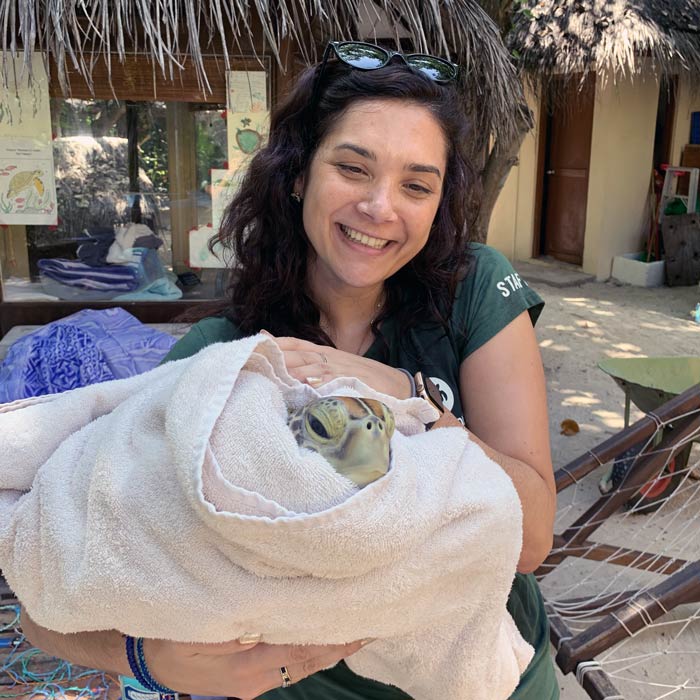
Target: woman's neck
347 314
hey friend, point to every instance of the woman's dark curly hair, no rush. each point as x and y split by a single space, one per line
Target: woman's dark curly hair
263 227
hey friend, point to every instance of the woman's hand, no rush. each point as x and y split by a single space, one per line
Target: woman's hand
318 364
233 669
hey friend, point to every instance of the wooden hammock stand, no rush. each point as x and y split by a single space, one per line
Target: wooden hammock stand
626 612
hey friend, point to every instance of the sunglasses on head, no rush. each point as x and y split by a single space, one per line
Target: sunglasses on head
364 56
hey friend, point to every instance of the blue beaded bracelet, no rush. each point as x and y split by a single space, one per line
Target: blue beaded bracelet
138 666
129 644
152 683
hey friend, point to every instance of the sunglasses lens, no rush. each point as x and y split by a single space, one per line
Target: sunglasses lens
362 56
435 68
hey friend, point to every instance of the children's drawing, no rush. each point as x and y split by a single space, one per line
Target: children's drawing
247 139
224 184
27 192
247 132
27 188
247 91
200 255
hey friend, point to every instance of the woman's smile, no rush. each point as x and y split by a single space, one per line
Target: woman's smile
363 239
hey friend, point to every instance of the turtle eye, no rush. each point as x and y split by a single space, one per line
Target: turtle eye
315 426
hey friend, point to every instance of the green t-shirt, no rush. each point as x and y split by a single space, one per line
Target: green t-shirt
488 299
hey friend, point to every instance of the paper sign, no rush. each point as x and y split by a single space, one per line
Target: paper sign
200 255
27 187
246 91
224 185
247 132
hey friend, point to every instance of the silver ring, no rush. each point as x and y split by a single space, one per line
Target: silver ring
286 678
324 359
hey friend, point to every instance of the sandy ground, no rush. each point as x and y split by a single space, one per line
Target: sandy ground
580 326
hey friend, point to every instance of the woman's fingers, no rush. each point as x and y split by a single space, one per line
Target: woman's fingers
302 661
235 669
276 655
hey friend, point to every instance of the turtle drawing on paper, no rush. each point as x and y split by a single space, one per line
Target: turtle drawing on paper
23 180
352 434
248 140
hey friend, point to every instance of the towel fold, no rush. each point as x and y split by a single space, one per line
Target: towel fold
177 504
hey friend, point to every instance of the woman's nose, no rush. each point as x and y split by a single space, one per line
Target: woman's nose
378 204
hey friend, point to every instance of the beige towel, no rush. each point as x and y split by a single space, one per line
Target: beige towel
177 504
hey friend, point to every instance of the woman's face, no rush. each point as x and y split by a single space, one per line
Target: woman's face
372 191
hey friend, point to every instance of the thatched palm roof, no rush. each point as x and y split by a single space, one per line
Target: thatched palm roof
608 36
72 32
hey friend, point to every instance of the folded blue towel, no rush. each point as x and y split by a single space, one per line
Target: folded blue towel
118 278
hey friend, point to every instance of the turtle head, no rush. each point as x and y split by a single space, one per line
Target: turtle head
352 434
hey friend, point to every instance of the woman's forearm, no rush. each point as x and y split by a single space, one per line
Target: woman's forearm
101 650
538 505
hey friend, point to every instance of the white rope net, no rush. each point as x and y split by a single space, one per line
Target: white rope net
662 659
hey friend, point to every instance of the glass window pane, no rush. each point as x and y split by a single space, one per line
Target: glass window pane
132 179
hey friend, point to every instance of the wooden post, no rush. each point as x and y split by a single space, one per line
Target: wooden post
182 178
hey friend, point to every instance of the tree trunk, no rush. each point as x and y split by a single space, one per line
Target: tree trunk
109 116
502 157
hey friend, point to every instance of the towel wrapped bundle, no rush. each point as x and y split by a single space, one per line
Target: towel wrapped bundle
177 505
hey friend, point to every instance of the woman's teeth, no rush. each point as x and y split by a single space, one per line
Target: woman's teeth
363 238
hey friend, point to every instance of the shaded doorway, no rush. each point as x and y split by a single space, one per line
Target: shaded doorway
565 161
665 118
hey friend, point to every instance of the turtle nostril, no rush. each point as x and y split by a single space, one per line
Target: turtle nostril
369 425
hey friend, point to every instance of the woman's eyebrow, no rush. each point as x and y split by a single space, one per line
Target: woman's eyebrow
357 149
420 168
365 153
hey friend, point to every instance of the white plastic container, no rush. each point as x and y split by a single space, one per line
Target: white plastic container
631 268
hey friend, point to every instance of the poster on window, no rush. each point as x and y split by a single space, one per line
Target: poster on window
247 133
224 184
246 91
247 115
199 253
27 187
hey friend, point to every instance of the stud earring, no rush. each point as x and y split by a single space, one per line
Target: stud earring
296 197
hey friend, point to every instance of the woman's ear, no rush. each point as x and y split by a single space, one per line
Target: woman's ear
299 185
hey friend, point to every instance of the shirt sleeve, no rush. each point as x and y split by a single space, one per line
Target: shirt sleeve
491 296
205 332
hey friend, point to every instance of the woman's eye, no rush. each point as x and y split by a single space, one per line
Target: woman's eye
419 189
350 169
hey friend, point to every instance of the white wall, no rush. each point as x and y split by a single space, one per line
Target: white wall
511 228
622 149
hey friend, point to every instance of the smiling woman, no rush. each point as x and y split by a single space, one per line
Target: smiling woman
351 243
369 206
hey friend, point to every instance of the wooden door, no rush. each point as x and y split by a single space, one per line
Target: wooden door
566 170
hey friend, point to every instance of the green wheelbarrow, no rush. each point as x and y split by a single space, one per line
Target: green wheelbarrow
649 382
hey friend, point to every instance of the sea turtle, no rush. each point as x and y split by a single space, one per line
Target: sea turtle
352 434
22 180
